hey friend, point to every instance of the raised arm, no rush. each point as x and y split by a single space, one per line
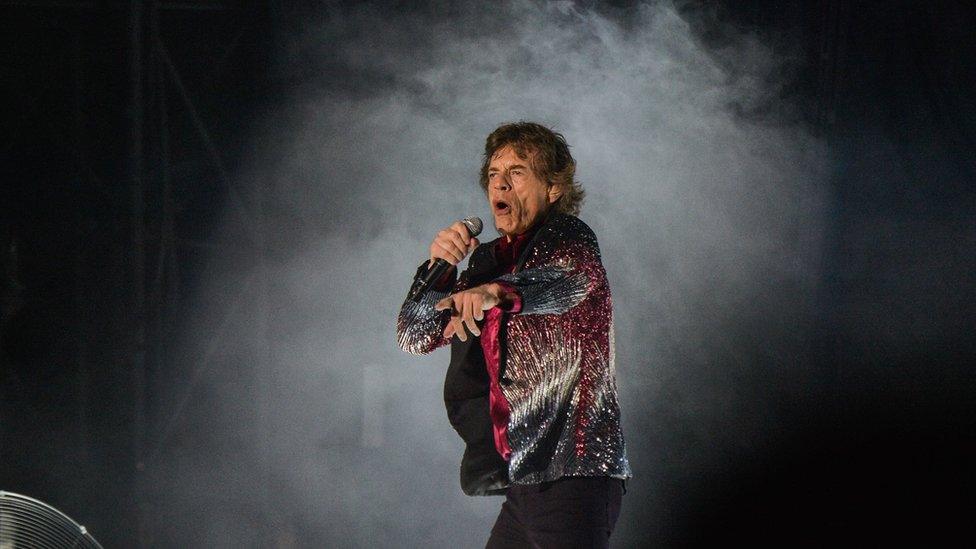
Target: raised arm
419 326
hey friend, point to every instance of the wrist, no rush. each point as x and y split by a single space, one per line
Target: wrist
508 297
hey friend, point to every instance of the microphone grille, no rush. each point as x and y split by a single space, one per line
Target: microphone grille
474 225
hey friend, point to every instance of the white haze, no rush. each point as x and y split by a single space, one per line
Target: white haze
706 195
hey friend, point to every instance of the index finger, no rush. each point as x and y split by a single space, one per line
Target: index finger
462 229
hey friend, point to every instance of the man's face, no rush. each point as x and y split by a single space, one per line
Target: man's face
517 196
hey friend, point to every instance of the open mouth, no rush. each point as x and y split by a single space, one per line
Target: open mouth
502 207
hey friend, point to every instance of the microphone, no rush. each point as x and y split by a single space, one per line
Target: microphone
424 283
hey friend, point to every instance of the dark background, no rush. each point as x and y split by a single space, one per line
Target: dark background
124 125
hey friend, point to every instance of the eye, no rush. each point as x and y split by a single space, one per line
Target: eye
517 172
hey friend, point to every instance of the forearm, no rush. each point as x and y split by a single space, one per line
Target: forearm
567 276
551 290
419 325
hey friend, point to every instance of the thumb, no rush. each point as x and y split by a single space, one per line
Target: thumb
473 244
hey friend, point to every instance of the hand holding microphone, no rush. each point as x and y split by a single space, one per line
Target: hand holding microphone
454 243
449 247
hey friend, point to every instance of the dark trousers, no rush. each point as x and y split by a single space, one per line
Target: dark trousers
565 513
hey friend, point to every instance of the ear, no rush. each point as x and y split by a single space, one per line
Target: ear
555 193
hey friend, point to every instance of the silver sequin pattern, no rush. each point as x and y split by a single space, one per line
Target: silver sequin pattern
565 417
559 356
420 326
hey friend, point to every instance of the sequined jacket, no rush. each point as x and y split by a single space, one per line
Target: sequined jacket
557 364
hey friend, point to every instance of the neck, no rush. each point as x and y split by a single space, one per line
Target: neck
511 237
539 222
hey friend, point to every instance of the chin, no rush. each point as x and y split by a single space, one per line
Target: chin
498 228
503 229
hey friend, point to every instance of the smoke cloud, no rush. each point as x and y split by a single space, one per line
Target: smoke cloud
705 191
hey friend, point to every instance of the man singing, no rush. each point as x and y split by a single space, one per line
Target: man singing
530 387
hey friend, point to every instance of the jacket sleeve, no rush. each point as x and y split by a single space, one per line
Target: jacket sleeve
573 271
420 327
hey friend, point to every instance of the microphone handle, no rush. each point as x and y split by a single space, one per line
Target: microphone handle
422 284
426 282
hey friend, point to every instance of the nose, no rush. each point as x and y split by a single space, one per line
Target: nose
501 182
